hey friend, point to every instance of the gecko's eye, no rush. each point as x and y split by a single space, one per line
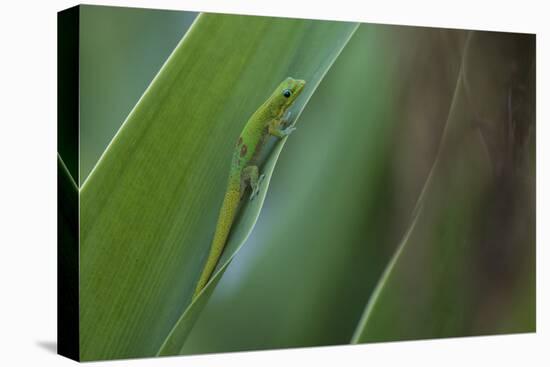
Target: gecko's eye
287 93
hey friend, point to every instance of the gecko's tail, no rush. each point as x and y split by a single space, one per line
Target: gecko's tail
226 217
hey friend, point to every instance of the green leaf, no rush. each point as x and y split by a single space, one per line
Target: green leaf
149 207
467 258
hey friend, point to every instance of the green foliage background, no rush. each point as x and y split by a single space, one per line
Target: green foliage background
121 51
403 206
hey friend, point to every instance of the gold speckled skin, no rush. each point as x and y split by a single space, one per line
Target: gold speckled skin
267 120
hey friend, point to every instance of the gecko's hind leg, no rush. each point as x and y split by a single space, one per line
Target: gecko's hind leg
254 179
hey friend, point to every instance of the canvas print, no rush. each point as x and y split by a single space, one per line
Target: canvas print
231 183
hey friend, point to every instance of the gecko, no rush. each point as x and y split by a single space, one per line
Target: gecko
270 119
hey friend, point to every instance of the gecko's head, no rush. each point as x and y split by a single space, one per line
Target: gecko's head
285 94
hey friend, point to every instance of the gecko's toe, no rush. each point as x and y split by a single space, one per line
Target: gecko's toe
286 117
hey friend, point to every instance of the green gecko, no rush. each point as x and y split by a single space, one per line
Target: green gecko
270 119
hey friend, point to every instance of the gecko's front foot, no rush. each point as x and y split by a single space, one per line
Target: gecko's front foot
288 130
285 120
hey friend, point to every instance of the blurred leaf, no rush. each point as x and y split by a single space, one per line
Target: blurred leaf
149 208
469 252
